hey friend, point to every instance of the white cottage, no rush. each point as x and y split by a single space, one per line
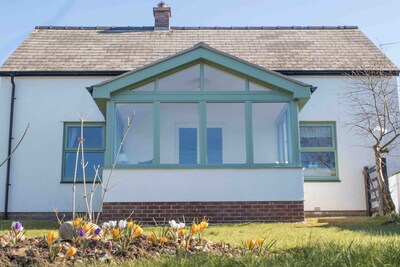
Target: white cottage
232 123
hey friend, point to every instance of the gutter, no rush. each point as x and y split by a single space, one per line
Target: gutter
10 138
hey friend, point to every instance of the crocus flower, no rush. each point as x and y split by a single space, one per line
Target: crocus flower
181 225
112 224
97 231
173 224
195 228
71 252
260 242
81 233
86 227
115 233
153 239
163 239
130 224
203 225
77 222
17 227
122 224
105 225
137 232
51 236
182 232
250 243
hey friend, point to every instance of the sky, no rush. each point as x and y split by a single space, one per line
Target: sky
379 20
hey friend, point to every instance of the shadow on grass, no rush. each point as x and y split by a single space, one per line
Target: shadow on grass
373 226
31 225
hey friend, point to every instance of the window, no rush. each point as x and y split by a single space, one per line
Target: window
94 147
318 150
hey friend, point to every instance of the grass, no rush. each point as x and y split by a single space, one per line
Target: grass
317 242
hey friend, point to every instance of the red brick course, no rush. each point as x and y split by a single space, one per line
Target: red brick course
217 212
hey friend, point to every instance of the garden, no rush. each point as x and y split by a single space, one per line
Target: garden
315 242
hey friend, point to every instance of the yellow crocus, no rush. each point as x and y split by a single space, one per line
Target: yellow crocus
71 252
203 225
260 242
130 224
115 233
164 239
250 243
153 239
182 232
195 228
137 232
51 236
77 222
86 227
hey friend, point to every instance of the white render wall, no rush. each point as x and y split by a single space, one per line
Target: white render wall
326 105
46 103
205 185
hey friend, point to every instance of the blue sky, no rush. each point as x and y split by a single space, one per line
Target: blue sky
379 20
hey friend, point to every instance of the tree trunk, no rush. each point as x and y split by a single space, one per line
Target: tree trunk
386 204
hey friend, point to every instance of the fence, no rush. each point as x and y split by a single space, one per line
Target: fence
371 187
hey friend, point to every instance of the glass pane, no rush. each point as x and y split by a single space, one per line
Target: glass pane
148 87
230 118
184 80
187 145
316 136
318 163
179 125
138 145
271 136
214 145
92 159
218 80
93 136
257 87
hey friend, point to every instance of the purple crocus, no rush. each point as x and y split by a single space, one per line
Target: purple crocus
81 233
97 231
17 226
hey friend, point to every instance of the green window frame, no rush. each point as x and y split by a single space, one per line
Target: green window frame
92 150
321 149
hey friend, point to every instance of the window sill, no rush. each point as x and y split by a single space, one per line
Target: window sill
194 167
321 179
77 182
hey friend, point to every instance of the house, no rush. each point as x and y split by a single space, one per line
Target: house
226 118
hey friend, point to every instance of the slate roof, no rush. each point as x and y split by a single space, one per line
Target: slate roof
102 49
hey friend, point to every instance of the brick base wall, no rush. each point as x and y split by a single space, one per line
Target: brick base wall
216 212
336 213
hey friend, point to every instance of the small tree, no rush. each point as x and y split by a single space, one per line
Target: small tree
374 111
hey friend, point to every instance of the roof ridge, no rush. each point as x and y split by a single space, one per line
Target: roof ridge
149 28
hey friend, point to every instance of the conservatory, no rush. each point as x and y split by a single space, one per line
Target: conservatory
205 121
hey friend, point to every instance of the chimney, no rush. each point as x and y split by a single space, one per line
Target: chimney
162 13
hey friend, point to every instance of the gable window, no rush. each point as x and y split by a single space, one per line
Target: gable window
203 116
94 146
318 150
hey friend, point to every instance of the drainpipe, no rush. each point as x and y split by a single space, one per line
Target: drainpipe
10 138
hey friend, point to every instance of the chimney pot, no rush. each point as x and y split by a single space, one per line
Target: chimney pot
162 13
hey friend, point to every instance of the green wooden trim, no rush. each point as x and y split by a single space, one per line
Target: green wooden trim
211 166
201 77
274 80
65 149
333 149
249 133
156 134
110 129
203 132
294 157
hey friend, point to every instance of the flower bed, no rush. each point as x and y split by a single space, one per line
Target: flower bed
85 242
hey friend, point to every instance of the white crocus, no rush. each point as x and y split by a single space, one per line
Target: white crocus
181 225
106 225
173 224
122 224
112 224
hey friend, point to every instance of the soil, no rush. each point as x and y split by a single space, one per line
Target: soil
35 251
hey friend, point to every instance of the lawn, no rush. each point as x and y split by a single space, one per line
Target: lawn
317 242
